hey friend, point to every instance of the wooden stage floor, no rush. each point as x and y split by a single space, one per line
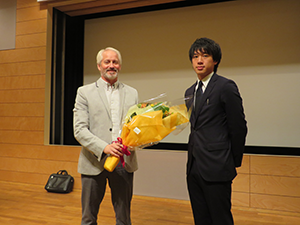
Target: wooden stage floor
26 204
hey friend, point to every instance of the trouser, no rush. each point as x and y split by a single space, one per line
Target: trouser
210 201
93 191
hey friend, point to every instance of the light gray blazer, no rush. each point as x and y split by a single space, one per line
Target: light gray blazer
92 124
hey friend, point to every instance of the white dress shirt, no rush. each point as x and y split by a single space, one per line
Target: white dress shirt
205 82
113 98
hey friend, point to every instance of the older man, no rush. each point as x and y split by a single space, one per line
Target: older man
99 109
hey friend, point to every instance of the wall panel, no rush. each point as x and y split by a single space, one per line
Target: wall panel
245 168
22 96
26 3
22 137
23 68
274 202
22 123
283 166
22 82
44 152
31 40
241 183
23 55
275 185
22 109
240 199
30 13
31 27
36 165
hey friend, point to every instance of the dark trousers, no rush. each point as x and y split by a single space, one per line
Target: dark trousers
210 201
93 190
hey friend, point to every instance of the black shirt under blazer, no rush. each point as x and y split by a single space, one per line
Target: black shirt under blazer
218 131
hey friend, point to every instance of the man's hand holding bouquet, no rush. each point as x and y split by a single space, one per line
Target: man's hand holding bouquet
146 124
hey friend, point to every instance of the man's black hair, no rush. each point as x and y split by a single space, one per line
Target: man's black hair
206 45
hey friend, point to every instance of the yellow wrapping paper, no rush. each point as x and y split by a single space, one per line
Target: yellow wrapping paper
147 127
150 127
111 162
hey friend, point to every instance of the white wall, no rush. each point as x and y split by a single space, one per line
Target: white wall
260 41
161 174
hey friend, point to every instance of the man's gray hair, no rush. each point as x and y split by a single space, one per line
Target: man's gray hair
100 54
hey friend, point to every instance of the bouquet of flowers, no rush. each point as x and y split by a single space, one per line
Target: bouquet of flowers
146 124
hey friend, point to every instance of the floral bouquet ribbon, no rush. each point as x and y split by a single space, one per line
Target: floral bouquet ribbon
147 123
111 162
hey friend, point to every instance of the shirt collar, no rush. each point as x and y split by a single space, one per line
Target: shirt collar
206 80
108 85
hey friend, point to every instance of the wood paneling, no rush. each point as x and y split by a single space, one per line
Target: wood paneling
22 137
22 68
240 199
22 109
31 40
23 55
22 82
22 96
44 152
245 165
241 186
282 166
26 3
22 123
31 13
22 101
31 27
241 183
275 185
38 166
274 202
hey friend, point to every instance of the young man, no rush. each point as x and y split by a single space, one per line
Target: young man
217 137
99 109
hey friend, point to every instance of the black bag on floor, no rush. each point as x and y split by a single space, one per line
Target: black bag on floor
60 182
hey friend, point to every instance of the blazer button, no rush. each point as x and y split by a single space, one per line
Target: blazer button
110 129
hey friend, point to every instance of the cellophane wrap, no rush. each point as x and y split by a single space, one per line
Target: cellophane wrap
148 122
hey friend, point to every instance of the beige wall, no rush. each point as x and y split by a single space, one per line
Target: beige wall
267 182
260 42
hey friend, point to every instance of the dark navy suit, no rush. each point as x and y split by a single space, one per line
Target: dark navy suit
215 149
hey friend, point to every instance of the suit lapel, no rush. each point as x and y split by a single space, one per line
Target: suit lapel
210 87
191 102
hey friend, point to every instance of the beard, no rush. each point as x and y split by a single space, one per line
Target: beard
111 74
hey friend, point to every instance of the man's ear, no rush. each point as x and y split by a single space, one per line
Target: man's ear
98 66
